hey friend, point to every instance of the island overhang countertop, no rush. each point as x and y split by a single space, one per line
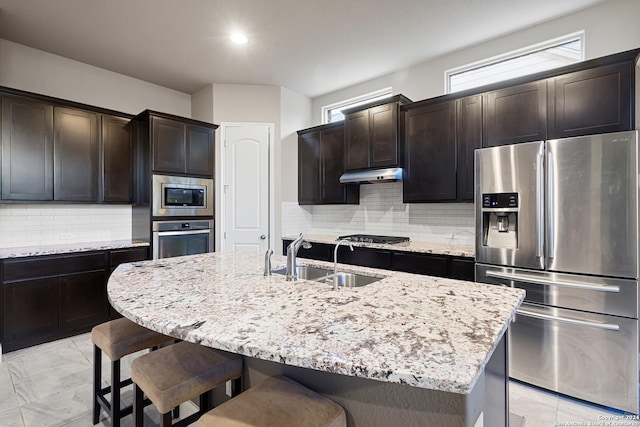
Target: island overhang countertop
422 331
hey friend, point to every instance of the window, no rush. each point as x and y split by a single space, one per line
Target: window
544 56
333 113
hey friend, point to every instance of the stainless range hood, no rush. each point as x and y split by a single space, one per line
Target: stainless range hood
372 176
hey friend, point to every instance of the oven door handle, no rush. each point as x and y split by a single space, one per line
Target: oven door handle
599 325
182 233
539 281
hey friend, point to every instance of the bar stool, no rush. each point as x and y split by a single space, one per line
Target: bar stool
175 374
117 338
277 401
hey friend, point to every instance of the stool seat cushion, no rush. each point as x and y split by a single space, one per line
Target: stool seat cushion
120 337
180 372
277 401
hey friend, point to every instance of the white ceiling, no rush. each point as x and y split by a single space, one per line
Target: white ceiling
310 46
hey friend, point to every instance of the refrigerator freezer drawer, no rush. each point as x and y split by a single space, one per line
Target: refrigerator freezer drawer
617 297
589 356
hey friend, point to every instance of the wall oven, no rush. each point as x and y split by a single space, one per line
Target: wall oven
178 238
181 196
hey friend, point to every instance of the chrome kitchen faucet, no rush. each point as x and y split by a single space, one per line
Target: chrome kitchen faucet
292 251
335 261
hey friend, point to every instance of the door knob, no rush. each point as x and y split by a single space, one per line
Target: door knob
262 237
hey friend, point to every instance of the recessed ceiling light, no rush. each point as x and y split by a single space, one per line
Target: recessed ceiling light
239 38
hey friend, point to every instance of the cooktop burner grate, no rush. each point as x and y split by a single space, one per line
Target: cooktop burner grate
368 238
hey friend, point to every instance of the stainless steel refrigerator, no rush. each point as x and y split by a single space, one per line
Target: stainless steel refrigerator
559 219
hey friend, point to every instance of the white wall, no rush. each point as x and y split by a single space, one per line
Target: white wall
381 212
609 27
296 115
33 70
42 224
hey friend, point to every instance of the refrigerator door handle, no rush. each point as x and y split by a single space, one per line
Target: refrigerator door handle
539 281
539 206
607 326
552 207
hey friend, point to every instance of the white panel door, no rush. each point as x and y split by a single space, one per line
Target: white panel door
246 187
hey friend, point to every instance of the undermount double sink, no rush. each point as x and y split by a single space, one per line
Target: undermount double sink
325 275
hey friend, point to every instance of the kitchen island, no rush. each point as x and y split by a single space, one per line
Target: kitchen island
404 350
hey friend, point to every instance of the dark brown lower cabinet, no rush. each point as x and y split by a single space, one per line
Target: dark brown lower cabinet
461 268
30 312
50 297
431 265
83 302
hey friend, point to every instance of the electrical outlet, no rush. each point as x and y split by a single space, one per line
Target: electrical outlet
66 236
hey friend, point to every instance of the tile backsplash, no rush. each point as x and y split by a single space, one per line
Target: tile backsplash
40 224
381 211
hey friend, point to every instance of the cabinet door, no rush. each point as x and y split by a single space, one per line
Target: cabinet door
469 138
463 269
200 150
309 168
75 155
430 160
384 135
30 312
27 149
516 114
168 140
117 158
366 257
431 265
83 300
332 166
592 101
356 128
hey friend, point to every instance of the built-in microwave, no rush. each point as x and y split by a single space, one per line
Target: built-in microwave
182 196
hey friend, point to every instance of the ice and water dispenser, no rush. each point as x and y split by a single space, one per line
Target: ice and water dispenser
500 220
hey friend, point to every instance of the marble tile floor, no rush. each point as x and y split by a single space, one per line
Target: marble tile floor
51 385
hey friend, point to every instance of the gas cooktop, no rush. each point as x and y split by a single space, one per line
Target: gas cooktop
367 238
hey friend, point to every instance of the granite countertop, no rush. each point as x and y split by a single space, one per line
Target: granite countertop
423 331
411 246
27 251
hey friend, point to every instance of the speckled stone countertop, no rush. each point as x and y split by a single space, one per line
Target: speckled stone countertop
68 248
423 331
411 246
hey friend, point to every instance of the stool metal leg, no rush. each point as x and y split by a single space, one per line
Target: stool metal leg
138 406
115 393
236 386
166 419
97 382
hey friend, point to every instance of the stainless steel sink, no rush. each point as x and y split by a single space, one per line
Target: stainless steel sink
325 275
350 280
306 272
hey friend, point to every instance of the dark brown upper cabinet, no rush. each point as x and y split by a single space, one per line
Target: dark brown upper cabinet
468 139
169 145
27 149
320 165
182 148
516 114
597 100
117 159
308 167
75 155
199 150
372 135
430 153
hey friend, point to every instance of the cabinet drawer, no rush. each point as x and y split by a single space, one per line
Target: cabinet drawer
431 265
29 268
121 256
